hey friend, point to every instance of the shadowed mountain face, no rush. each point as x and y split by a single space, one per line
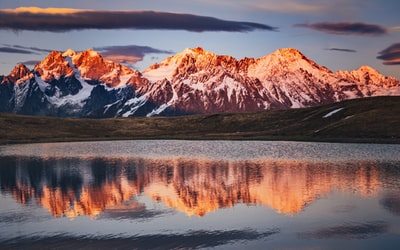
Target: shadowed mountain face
194 81
77 187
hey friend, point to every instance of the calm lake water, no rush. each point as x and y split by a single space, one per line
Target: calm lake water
199 194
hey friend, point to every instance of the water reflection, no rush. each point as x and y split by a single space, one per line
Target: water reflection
349 231
391 202
74 187
191 240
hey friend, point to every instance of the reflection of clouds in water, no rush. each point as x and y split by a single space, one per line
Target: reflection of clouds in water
132 210
343 209
14 217
391 202
187 240
349 231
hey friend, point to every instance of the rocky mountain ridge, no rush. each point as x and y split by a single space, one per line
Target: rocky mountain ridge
194 81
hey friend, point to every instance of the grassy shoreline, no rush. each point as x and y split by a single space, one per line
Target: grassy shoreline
368 120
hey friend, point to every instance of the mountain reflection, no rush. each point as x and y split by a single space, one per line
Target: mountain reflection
75 187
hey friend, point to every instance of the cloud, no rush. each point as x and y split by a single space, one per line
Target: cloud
391 202
346 28
60 20
32 48
128 54
339 8
18 49
14 50
390 55
342 50
289 7
30 62
394 28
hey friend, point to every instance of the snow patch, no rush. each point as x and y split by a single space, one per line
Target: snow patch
164 71
137 102
348 117
123 80
158 111
195 86
332 113
42 84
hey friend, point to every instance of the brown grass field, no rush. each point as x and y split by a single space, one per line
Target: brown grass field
369 120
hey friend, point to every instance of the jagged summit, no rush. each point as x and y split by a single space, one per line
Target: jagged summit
53 67
369 69
95 67
18 75
197 50
288 53
69 52
19 71
189 61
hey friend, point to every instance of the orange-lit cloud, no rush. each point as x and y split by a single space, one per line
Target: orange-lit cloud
129 54
37 10
61 19
346 28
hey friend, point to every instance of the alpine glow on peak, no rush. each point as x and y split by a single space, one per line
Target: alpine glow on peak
194 81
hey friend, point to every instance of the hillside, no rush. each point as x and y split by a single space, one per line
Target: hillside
372 119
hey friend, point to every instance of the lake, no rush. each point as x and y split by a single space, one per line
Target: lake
167 194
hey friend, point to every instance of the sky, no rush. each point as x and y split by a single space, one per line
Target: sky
341 34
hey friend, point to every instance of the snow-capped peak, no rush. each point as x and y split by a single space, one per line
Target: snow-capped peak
196 51
19 71
288 53
19 74
53 67
92 66
69 53
187 61
368 69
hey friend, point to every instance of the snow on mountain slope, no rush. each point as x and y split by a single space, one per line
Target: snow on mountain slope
18 75
198 81
93 66
366 81
191 82
202 82
53 67
66 84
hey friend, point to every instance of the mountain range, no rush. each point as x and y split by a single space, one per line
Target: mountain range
195 81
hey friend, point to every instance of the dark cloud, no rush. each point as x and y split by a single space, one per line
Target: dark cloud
390 55
18 49
346 28
350 231
60 20
15 50
32 48
129 54
342 50
30 62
